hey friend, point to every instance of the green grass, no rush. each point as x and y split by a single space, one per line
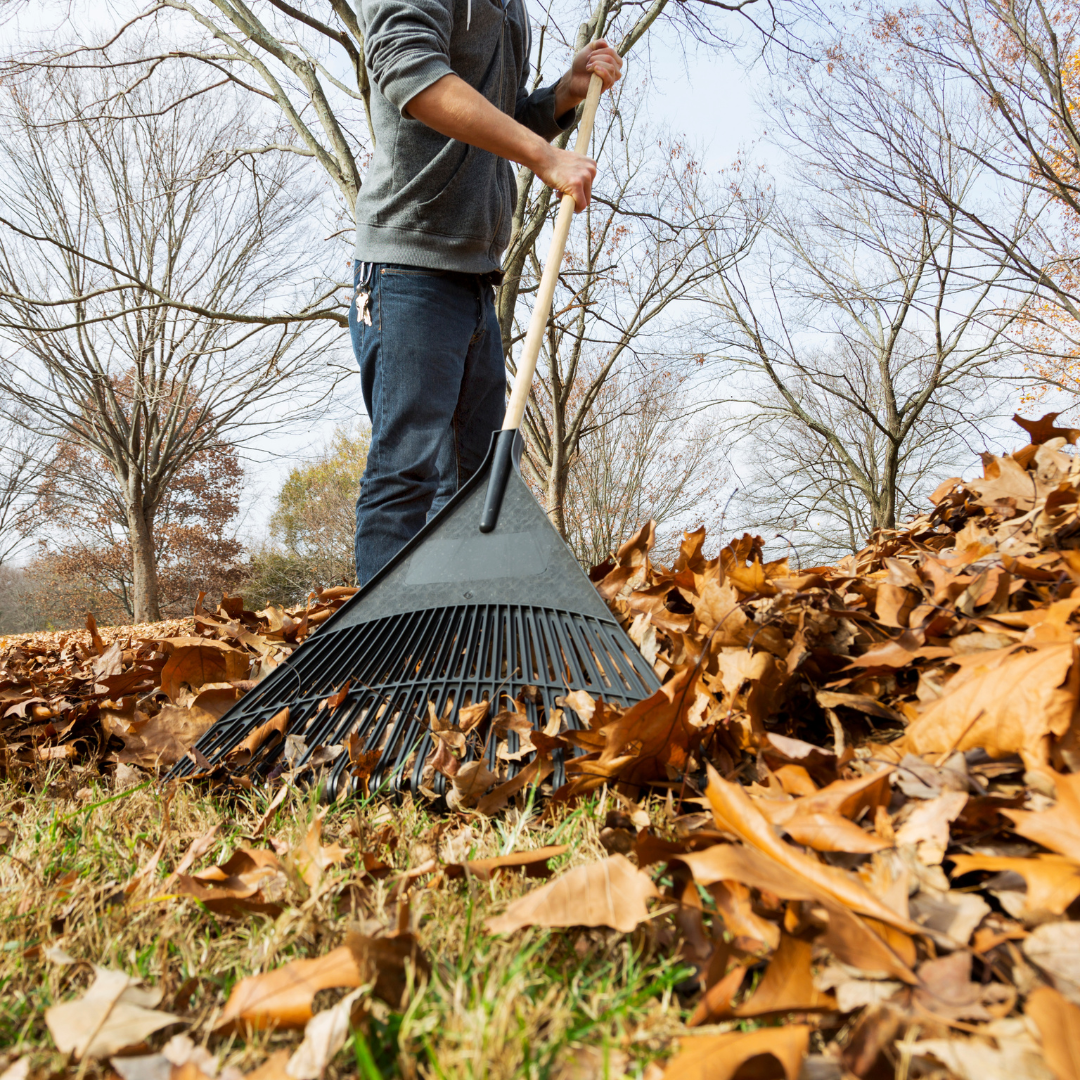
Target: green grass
526 1005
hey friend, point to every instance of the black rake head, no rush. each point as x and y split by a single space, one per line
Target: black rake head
458 617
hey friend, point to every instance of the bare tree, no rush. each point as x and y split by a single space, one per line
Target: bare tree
308 60
535 204
295 57
636 260
121 233
859 340
650 455
799 485
22 460
903 97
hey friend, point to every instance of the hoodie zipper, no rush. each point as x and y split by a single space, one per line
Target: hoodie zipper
502 83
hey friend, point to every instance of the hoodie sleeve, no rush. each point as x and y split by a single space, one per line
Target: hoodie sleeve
407 46
537 110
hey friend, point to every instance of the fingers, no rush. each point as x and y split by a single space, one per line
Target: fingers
604 61
580 190
570 174
580 186
586 191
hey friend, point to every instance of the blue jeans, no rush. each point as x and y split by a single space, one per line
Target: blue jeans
434 383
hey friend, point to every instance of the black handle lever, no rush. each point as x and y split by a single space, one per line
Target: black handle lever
501 464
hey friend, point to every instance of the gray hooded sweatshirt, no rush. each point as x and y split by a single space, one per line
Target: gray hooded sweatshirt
428 200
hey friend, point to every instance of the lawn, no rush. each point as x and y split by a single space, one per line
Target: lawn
536 1003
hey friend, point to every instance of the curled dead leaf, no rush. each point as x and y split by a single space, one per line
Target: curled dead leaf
1014 706
115 1012
720 1057
534 863
1058 1022
251 880
282 998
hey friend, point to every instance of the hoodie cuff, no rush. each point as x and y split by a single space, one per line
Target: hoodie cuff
537 113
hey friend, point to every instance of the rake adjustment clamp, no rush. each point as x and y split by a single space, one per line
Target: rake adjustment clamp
501 463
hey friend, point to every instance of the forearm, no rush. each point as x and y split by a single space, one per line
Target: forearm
453 108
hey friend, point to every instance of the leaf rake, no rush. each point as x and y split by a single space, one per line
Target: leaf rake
484 603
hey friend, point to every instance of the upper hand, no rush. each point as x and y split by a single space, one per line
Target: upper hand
597 58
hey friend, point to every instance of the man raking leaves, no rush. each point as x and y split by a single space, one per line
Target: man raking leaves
469 595
450 111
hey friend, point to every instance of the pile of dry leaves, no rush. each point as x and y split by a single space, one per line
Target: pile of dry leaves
152 691
871 820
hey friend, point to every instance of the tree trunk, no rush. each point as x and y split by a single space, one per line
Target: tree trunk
892 481
144 584
556 486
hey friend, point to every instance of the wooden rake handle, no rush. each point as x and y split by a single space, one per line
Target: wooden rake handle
530 351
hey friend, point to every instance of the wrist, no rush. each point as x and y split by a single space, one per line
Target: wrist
538 155
565 98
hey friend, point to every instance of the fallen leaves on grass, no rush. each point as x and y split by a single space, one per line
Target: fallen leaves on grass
141 695
612 892
868 814
114 1013
388 961
251 880
157 740
311 858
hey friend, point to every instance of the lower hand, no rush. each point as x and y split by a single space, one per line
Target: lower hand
569 174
